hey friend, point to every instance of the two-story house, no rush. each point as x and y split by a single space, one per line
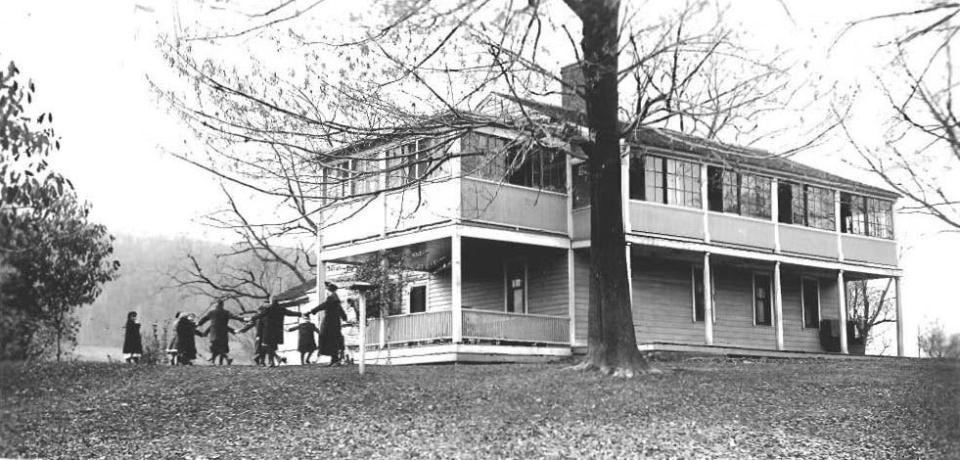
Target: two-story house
729 249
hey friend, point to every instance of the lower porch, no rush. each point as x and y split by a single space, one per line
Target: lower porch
485 336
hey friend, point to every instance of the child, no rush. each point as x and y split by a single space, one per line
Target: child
306 345
132 343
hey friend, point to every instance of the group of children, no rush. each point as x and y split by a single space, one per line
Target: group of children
268 324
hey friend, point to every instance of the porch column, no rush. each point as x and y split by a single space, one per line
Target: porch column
456 281
707 301
571 296
842 297
778 305
775 212
704 203
896 284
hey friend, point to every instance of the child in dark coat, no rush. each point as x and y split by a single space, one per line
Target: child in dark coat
132 343
306 344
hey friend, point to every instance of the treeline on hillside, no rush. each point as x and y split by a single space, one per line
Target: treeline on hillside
144 286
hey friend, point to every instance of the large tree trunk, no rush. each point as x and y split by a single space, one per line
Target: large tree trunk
612 343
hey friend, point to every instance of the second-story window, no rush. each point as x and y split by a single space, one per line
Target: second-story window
806 205
501 160
860 215
667 181
415 161
738 193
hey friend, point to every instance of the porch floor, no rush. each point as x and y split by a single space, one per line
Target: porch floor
464 353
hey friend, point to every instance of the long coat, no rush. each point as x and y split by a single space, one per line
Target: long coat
272 318
219 329
331 337
306 342
132 342
186 345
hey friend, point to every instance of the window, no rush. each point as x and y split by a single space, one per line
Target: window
879 218
715 188
418 299
516 282
810 301
821 211
581 185
754 196
698 305
738 193
336 181
367 175
415 161
498 159
669 181
731 192
786 204
762 307
806 205
861 215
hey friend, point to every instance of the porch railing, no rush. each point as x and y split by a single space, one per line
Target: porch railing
477 325
497 325
414 327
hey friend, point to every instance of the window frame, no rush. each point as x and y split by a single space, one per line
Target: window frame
769 297
508 290
676 182
803 302
426 297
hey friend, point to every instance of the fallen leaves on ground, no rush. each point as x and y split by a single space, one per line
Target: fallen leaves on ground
700 408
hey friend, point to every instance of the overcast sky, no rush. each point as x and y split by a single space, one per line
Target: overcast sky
89 61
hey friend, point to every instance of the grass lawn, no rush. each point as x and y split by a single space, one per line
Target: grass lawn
704 408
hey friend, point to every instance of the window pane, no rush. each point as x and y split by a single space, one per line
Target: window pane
754 196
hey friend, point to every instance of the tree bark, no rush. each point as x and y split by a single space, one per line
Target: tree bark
612 342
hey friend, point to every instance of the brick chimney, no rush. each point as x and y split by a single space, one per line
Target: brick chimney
572 76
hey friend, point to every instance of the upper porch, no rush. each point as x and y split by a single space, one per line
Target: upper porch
668 199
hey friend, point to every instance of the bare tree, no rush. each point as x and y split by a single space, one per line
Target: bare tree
419 69
921 149
870 305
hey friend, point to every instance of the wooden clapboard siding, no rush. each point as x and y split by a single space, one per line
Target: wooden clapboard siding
581 263
439 293
482 281
829 302
547 280
662 302
795 336
733 298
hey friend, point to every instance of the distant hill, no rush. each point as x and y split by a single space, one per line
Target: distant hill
143 286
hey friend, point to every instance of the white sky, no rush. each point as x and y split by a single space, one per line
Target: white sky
89 61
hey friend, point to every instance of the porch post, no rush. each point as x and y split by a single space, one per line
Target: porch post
775 212
571 260
896 284
456 281
778 305
842 294
707 301
362 323
704 203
